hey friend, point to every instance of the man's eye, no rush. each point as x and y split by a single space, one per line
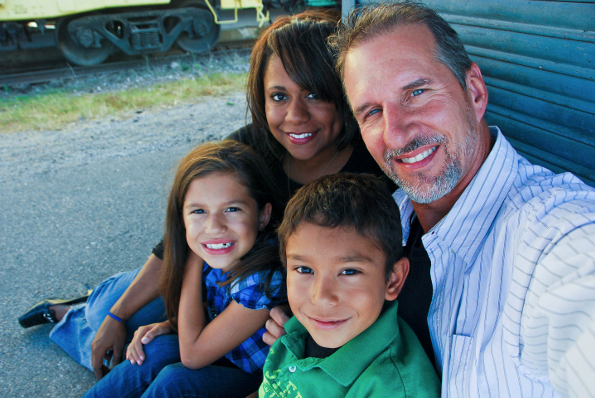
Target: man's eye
278 97
350 271
313 96
304 270
417 92
232 209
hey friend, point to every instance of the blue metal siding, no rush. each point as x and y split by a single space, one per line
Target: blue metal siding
538 60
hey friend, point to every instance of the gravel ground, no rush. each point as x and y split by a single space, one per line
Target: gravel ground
81 204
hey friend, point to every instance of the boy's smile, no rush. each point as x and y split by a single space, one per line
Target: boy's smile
336 282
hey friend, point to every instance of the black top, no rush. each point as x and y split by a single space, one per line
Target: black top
313 350
416 295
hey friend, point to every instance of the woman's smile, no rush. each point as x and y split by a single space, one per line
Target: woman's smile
305 125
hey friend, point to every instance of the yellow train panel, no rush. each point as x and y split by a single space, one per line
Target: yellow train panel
240 4
27 10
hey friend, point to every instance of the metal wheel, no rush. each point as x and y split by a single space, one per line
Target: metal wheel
205 32
79 55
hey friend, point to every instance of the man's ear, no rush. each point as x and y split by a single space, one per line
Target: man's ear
265 216
477 91
397 278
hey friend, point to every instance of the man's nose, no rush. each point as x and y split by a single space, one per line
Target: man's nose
399 125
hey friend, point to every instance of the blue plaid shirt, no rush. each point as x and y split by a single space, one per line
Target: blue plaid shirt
251 354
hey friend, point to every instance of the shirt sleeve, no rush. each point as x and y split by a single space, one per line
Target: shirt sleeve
250 292
558 321
159 250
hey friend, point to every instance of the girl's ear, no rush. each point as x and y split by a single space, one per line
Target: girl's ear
265 216
397 279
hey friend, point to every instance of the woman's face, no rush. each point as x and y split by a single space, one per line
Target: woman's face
305 125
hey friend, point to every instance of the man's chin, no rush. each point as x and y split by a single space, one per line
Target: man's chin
426 192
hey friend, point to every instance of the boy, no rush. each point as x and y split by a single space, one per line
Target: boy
340 241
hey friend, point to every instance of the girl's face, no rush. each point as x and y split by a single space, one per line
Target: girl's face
305 125
222 219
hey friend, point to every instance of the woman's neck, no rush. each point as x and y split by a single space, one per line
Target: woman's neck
329 161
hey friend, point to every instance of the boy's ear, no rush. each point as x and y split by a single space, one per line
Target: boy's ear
397 278
265 216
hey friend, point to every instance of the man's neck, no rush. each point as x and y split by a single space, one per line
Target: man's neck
430 214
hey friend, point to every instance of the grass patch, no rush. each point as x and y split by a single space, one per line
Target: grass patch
52 110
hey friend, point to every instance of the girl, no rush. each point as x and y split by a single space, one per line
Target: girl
221 276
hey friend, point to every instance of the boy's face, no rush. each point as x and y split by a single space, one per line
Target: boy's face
336 283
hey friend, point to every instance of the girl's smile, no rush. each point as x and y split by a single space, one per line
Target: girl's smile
222 219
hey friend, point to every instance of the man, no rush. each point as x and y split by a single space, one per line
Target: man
512 246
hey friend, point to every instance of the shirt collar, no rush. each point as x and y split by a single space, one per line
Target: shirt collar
466 224
348 363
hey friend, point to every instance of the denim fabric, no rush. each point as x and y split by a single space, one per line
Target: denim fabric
129 381
76 331
176 381
162 375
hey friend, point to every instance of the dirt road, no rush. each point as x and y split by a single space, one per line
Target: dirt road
77 206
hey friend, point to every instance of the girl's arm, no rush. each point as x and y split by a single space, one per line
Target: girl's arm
202 344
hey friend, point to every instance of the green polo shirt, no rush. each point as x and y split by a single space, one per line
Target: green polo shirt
385 360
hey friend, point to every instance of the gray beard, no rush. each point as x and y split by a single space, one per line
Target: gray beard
427 189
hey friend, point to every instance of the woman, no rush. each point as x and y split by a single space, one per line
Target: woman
301 125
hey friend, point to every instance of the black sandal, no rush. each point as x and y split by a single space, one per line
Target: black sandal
40 313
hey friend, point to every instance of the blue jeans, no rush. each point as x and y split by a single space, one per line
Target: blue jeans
76 331
162 375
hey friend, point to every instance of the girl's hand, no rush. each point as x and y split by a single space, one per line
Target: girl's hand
279 315
144 335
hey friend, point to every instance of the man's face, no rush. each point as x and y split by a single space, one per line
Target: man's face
416 120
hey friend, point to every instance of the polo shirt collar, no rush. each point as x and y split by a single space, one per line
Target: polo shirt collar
347 363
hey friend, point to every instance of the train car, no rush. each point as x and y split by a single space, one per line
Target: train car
87 32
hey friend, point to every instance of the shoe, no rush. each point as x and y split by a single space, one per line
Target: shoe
40 313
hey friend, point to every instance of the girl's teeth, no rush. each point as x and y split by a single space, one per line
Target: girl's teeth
419 157
301 136
218 246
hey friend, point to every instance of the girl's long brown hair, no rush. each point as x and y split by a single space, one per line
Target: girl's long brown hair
231 157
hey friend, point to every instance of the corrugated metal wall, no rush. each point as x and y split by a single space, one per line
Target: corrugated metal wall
538 60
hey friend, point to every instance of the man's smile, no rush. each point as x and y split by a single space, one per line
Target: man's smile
420 156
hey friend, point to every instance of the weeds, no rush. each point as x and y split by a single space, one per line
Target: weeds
53 110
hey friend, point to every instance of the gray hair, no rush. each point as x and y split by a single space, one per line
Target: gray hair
364 23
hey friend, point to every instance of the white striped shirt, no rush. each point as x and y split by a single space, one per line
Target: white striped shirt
513 271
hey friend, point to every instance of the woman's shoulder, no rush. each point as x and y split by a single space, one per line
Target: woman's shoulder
243 135
362 162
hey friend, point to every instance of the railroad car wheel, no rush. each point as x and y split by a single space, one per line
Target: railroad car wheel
77 54
205 31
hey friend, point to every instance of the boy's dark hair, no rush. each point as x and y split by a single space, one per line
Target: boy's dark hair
361 201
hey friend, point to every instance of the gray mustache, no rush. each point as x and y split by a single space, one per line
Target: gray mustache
414 144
